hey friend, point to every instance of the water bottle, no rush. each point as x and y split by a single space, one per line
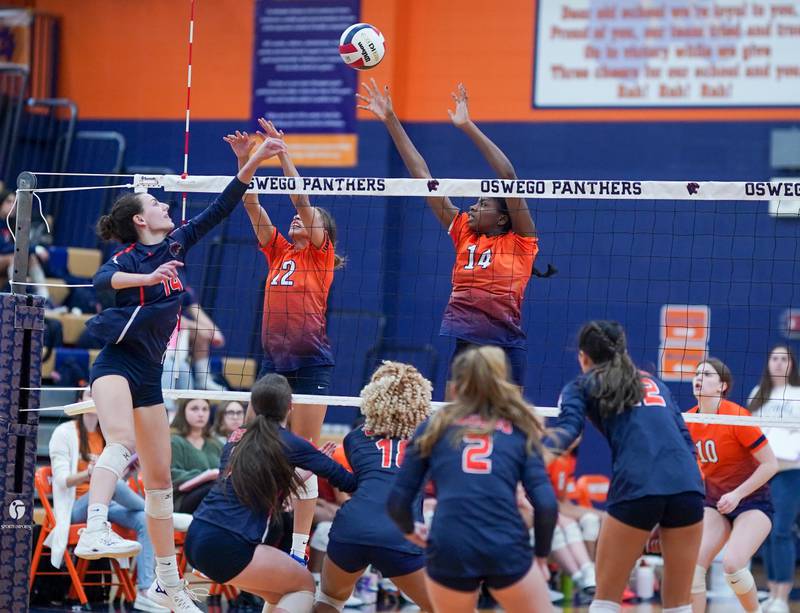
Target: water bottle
645 581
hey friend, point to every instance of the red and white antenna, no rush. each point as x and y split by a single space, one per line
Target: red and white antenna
188 111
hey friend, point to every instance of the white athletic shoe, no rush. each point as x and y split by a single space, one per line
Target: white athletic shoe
105 543
777 605
181 521
143 603
179 599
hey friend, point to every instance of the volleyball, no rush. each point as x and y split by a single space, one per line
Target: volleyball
362 46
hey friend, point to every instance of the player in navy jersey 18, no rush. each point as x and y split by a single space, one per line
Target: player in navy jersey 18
228 536
476 450
147 280
396 400
655 478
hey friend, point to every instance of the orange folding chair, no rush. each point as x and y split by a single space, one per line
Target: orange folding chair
591 489
44 488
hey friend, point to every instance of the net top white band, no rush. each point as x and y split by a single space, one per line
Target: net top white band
476 188
87 406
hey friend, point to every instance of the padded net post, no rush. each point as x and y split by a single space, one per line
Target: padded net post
21 338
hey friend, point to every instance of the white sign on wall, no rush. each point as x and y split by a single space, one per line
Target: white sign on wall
667 53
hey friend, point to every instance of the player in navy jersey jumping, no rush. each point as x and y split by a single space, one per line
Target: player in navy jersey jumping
476 450
148 281
655 479
226 540
396 400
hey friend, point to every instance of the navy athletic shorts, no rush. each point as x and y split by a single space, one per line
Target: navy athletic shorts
669 511
218 553
143 375
516 356
471 584
390 562
759 504
306 380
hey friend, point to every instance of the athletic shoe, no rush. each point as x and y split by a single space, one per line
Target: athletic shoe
353 602
778 605
104 543
555 596
143 603
181 521
179 599
301 561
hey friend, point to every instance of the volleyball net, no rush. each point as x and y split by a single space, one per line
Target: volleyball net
690 268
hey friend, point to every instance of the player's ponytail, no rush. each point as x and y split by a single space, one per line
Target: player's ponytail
483 391
261 474
614 380
118 224
396 400
330 227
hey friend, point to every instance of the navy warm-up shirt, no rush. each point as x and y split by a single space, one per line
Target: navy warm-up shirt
143 318
363 520
223 508
477 528
652 452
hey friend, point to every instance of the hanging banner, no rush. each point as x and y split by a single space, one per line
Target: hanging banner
667 53
301 83
15 37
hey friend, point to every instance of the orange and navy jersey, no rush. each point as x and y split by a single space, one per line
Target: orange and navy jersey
489 280
562 475
293 328
725 453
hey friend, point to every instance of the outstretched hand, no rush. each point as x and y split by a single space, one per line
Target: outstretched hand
241 143
269 129
460 117
269 148
377 101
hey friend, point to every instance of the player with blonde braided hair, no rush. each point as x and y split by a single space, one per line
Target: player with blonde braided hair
395 401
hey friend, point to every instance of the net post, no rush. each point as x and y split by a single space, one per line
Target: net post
21 340
25 181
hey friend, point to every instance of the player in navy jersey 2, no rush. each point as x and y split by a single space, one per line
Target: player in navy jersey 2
476 450
147 280
226 540
655 478
396 400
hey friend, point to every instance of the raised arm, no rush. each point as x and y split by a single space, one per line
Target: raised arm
380 104
521 219
310 216
263 228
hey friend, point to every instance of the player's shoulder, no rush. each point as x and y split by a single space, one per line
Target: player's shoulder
125 255
727 407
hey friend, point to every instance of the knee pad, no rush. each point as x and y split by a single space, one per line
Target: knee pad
559 539
741 581
331 602
590 526
297 602
310 489
604 606
158 503
319 540
114 458
573 533
699 580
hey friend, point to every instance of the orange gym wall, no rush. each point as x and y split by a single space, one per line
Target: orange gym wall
127 60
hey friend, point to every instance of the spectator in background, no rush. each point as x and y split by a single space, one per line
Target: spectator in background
74 448
37 252
229 417
195 454
778 396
